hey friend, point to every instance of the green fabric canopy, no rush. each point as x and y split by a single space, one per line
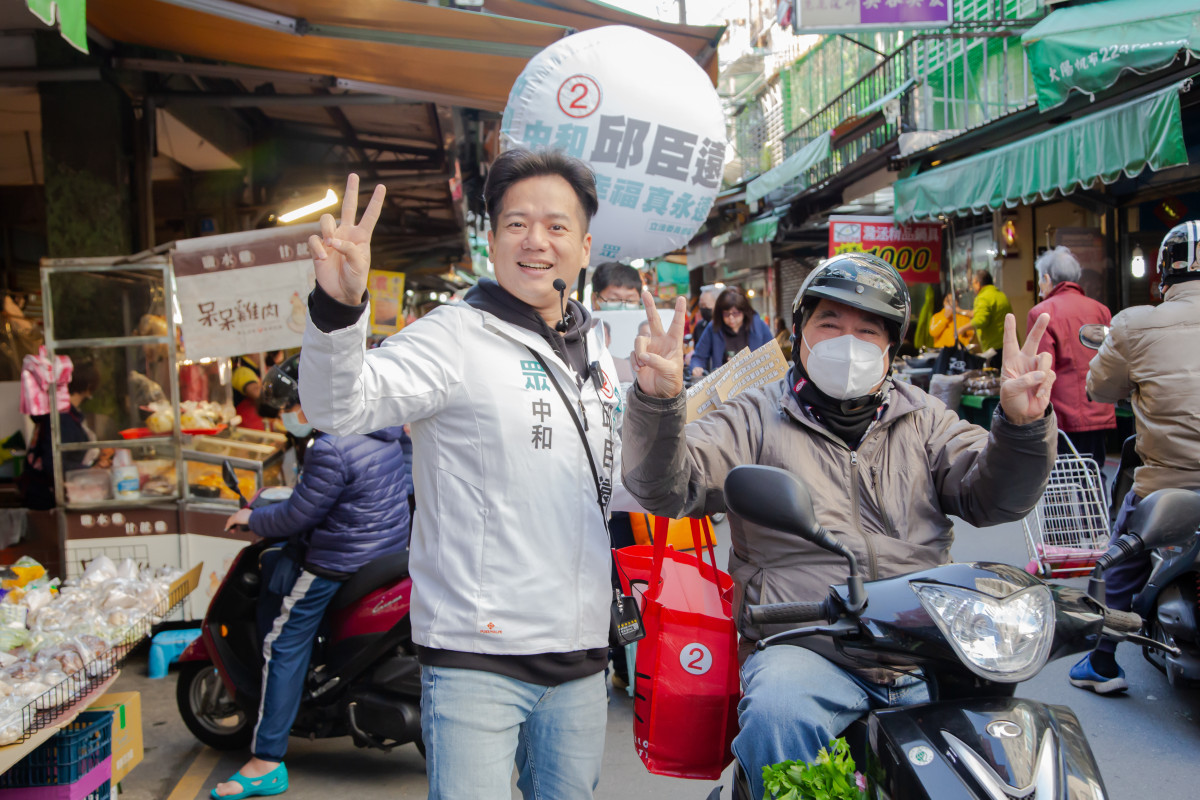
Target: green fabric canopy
760 230
793 167
1121 140
1088 47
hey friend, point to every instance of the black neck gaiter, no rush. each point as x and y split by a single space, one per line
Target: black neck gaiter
846 419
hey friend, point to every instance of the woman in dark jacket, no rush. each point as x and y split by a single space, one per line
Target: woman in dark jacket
735 325
349 507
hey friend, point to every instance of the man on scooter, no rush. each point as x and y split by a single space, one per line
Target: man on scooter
1150 358
349 508
885 462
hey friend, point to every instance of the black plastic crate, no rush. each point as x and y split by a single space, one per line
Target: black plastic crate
76 749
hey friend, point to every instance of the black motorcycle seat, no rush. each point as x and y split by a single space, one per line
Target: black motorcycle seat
377 573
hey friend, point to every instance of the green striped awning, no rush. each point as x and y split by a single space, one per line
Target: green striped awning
1117 141
1086 48
792 168
760 230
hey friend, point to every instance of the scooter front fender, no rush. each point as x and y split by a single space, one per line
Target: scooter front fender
196 651
996 748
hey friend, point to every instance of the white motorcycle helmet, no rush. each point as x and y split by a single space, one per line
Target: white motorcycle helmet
1179 255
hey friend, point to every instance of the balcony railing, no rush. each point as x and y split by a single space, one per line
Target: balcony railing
947 82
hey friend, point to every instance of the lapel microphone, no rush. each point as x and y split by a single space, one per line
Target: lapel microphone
563 324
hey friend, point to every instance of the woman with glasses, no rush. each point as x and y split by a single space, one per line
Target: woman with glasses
735 325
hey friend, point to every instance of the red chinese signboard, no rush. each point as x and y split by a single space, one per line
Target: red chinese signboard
915 250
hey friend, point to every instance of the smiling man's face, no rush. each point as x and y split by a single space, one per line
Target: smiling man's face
540 236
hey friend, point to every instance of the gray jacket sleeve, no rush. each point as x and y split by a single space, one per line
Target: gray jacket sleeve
988 478
677 470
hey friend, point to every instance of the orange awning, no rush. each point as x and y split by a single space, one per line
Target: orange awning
441 55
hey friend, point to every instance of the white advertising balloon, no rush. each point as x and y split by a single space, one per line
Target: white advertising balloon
644 116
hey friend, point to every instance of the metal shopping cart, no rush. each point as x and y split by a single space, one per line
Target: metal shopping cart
1069 528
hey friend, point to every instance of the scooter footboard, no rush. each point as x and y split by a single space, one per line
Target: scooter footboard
990 748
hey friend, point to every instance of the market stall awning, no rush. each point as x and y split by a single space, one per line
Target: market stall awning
763 229
1088 47
442 55
1122 140
792 168
856 120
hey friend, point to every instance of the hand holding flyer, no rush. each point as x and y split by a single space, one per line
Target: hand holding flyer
744 371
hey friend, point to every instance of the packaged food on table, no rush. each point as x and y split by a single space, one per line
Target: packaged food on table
87 485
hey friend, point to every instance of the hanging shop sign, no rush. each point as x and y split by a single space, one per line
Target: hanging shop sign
387 301
915 250
854 16
644 116
244 292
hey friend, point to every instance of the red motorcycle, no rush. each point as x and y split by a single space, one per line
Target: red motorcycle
363 680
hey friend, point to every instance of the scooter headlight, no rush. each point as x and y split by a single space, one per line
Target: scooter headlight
1001 639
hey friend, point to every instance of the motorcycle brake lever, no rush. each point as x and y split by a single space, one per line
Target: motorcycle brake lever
1143 641
842 627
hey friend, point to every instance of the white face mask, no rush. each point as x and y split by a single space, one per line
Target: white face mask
845 367
291 421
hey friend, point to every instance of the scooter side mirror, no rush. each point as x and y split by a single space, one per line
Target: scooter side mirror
1166 517
773 498
231 480
1093 335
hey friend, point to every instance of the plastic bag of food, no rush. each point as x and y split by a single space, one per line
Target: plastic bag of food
99 569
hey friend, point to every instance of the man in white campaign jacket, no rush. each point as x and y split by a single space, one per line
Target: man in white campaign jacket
510 555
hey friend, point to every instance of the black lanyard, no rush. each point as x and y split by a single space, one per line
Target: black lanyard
603 485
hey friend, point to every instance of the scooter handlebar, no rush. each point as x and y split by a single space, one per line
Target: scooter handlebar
1122 621
789 613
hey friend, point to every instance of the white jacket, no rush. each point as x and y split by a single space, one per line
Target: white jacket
509 551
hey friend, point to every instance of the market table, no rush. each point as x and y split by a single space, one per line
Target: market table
12 753
979 408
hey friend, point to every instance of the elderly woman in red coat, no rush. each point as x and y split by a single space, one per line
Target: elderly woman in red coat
1085 422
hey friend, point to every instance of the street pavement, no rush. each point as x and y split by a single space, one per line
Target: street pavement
1146 742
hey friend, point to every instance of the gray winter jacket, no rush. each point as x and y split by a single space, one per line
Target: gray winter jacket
887 501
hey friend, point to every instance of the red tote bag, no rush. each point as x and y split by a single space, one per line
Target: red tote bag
685 706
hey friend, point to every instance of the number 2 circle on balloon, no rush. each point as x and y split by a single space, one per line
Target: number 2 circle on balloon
695 658
579 96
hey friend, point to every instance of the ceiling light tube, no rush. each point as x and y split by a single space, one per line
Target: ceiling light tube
325 202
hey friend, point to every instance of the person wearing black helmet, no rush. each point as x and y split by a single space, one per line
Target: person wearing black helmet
1149 357
349 507
885 462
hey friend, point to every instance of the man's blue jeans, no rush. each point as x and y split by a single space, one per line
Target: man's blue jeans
287 649
477 724
794 702
1125 580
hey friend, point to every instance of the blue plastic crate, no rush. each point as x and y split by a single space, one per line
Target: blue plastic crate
70 754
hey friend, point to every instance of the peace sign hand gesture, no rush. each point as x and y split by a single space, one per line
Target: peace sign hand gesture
1026 374
342 253
658 358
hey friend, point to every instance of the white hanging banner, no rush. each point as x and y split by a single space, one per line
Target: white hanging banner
244 292
644 116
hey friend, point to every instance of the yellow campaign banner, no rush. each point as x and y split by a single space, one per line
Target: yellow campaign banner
387 301
914 250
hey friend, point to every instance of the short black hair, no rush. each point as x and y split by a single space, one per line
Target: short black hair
514 166
984 277
732 298
614 273
85 378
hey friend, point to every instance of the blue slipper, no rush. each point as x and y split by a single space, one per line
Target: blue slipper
274 782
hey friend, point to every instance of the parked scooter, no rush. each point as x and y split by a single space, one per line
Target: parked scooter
1170 601
363 680
975 631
